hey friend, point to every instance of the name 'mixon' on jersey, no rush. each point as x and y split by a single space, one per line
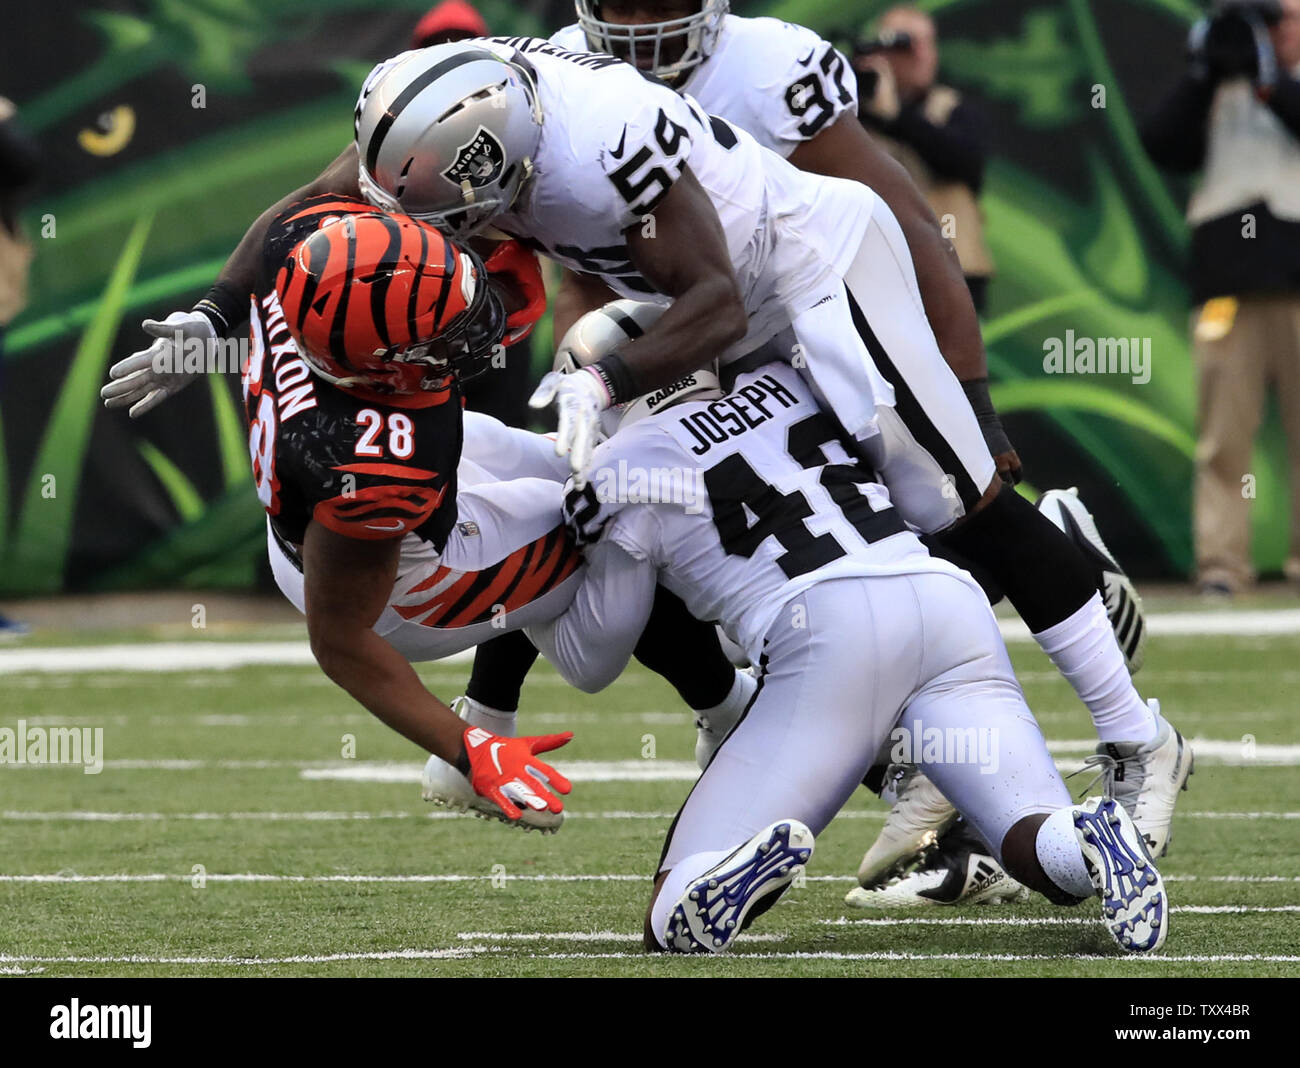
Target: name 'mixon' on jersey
363 465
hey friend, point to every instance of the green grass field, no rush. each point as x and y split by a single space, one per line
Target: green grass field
222 853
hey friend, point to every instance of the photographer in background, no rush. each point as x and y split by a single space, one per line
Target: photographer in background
929 129
1234 115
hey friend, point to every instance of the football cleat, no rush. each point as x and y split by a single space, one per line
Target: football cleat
959 871
1123 605
1146 777
1132 893
721 903
442 785
915 822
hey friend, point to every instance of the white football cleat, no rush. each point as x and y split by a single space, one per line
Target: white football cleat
1133 903
718 905
1146 777
915 822
959 872
444 786
1123 605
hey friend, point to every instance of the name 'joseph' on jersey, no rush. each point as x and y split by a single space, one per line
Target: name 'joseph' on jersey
743 502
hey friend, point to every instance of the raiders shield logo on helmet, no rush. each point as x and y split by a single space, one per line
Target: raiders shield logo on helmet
479 162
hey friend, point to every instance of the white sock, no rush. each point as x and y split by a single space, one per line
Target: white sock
1058 852
721 718
1084 649
478 714
684 872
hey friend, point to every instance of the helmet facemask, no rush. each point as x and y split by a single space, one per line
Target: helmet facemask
646 45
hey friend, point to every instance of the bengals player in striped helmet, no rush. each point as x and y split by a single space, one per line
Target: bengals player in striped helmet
361 327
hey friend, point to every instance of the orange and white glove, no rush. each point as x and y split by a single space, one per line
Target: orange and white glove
507 771
518 265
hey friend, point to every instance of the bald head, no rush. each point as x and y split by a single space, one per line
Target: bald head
916 69
1286 35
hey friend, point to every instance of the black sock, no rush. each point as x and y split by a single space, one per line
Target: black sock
1042 572
500 666
686 652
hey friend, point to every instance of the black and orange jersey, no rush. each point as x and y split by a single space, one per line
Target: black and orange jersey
364 465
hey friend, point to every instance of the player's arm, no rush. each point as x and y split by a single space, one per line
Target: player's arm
136 383
592 641
347 582
577 295
844 149
685 256
240 271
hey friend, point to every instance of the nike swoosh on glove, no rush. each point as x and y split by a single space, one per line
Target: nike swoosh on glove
147 378
506 770
579 399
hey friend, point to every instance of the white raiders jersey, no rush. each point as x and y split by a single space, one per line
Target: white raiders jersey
613 143
742 503
779 82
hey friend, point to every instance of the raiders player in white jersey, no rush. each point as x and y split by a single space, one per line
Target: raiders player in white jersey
623 179
756 509
794 93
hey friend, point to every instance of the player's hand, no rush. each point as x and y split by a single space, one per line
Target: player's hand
507 771
146 378
516 270
1008 464
579 399
885 103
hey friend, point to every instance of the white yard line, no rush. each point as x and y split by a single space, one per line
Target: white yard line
221 656
1255 624
325 816
453 953
587 936
576 770
166 656
602 877
1129 958
469 951
1038 921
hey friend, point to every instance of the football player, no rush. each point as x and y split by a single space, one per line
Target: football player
398 544
795 94
801 557
360 324
630 182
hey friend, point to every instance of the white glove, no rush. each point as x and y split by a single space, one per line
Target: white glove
147 378
579 399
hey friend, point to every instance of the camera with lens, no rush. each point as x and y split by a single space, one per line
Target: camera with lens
1233 42
885 41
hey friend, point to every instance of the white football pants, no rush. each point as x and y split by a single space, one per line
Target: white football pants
911 662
